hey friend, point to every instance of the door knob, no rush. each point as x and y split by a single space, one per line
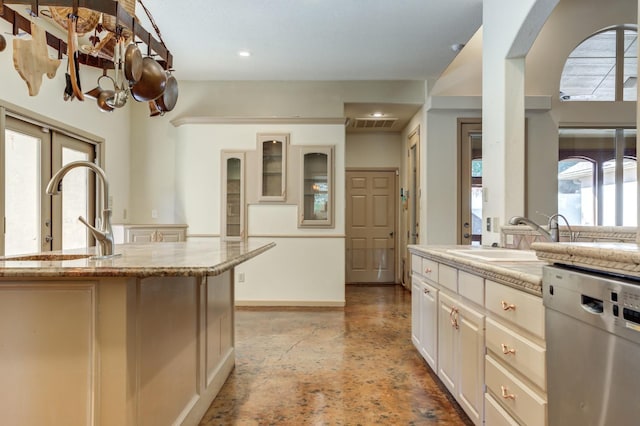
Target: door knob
466 224
466 235
391 234
48 238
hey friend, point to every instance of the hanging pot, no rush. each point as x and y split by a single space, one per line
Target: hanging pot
132 64
169 98
152 82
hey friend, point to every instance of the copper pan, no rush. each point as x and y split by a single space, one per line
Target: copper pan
152 81
169 98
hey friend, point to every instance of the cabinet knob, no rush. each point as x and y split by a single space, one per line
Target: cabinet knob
506 394
508 306
506 350
427 291
428 271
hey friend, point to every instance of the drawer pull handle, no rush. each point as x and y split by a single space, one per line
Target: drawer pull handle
508 306
507 351
453 317
428 271
506 394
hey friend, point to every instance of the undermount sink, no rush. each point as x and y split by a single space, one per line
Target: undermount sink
44 257
497 254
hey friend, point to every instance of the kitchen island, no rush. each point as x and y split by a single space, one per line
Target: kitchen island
144 338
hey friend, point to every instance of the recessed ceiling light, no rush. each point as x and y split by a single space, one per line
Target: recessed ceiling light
377 114
244 53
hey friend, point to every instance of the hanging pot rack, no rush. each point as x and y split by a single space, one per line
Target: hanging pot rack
109 7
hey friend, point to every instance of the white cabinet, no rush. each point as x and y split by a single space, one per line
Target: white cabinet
461 354
273 149
424 320
149 233
233 193
316 187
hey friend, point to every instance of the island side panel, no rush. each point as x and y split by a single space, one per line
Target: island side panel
168 334
48 352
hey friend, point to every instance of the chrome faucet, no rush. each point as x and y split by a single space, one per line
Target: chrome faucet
553 234
104 235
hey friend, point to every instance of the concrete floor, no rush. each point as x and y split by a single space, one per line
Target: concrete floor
355 366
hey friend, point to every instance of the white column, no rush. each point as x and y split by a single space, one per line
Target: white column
509 30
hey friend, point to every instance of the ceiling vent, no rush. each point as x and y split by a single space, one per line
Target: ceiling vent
371 123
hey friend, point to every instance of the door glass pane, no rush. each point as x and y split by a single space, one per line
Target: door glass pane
22 194
316 189
75 201
575 191
233 197
609 193
272 168
629 193
630 78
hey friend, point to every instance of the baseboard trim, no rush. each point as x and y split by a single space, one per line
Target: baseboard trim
291 303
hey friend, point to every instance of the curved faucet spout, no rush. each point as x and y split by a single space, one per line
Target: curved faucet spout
104 235
517 220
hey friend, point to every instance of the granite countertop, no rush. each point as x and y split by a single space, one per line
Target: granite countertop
523 275
192 258
613 258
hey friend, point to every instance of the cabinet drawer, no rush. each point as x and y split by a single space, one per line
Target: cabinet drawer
495 415
517 351
513 394
523 309
425 267
471 286
448 277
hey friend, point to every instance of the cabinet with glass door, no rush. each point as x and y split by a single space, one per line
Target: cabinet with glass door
316 201
232 216
273 166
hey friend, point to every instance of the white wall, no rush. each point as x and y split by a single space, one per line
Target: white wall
307 265
113 127
374 150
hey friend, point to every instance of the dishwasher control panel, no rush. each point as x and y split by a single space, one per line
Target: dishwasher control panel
607 302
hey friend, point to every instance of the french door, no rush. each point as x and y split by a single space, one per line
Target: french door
33 220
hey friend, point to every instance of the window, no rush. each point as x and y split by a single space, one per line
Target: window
602 68
597 176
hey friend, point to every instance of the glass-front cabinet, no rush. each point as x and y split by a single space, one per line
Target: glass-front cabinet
232 214
273 161
316 200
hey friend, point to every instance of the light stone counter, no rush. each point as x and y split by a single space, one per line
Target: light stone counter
523 275
612 258
193 258
146 338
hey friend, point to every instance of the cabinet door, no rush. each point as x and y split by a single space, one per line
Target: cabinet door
416 332
273 162
429 324
448 342
471 362
316 199
168 235
232 216
141 235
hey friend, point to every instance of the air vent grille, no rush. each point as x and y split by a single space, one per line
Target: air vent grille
372 123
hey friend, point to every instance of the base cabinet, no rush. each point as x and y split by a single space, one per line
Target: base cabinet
488 345
461 354
424 325
146 233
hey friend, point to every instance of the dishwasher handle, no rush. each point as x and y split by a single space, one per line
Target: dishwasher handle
592 305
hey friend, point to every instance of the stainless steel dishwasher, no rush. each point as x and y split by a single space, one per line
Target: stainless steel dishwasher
593 348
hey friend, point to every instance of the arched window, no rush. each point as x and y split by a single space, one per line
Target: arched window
597 176
602 67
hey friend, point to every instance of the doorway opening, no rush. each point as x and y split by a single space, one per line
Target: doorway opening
470 188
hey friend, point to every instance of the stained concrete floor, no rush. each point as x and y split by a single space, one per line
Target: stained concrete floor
355 366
